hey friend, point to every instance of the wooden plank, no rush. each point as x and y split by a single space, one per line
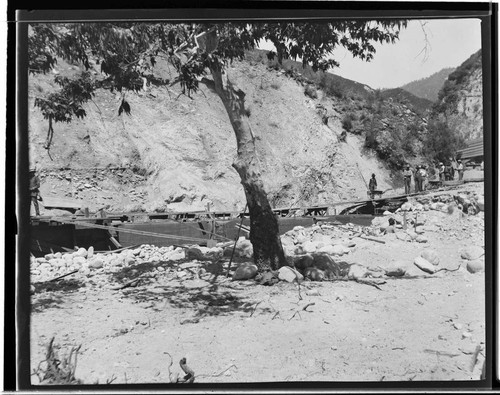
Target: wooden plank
62 203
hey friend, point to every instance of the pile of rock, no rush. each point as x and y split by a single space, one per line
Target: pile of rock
323 239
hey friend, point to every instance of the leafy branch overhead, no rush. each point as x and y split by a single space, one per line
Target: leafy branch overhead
127 53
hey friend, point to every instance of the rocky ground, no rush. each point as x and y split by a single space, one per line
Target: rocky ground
402 306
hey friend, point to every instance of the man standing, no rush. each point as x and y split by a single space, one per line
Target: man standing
441 171
35 190
460 169
416 178
372 185
407 179
423 178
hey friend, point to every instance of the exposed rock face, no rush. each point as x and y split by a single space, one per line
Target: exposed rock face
461 99
175 153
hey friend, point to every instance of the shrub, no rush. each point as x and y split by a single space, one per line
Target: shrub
310 90
347 122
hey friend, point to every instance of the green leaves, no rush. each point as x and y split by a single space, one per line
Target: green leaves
63 105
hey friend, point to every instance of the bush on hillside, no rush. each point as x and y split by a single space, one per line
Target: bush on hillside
311 91
442 142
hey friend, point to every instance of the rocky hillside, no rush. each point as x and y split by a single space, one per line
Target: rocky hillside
460 100
429 87
175 153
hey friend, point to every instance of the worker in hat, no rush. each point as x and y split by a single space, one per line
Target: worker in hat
407 179
441 171
372 185
35 190
416 178
460 169
423 177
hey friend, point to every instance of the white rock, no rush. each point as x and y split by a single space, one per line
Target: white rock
48 257
81 252
424 265
57 255
310 247
472 253
96 263
289 274
78 260
90 252
357 271
421 239
406 206
333 249
430 256
57 263
476 266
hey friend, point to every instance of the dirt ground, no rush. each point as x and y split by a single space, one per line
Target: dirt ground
420 327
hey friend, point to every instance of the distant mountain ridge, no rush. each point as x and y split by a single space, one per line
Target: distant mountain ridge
419 104
429 87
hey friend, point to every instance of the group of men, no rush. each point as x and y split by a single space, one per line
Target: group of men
421 174
447 172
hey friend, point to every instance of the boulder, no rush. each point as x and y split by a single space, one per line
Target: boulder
321 239
288 274
475 266
58 255
302 262
396 270
424 265
310 247
48 257
357 271
79 260
81 252
245 271
472 253
96 263
380 221
314 274
244 249
338 249
326 263
430 256
406 206
90 252
301 238
57 262
480 203
421 239
194 253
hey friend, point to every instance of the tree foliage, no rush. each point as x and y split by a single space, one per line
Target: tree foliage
442 141
127 51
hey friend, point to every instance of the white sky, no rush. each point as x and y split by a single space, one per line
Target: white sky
452 41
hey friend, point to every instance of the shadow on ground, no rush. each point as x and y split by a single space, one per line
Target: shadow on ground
203 301
60 287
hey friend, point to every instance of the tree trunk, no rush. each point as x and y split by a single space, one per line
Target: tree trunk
264 231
